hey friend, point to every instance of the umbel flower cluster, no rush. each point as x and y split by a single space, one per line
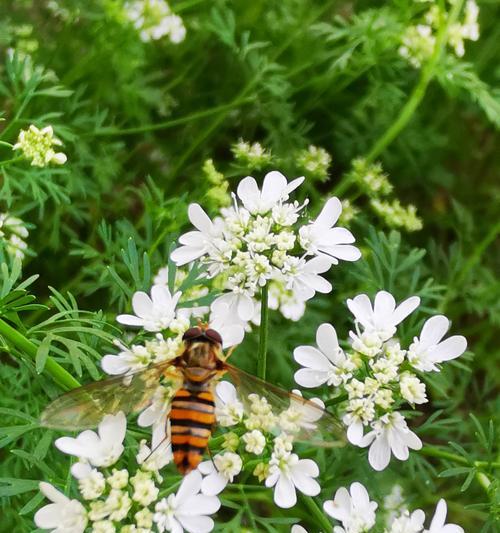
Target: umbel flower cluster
38 146
122 499
13 234
377 375
357 513
260 435
418 42
262 241
154 19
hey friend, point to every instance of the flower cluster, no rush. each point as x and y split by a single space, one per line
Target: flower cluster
37 145
259 242
114 499
315 161
12 235
372 180
376 374
251 155
418 41
261 441
397 216
154 20
357 514
217 195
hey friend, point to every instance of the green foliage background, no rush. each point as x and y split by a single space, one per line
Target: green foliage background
138 121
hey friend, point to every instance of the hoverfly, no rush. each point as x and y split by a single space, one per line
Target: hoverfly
193 375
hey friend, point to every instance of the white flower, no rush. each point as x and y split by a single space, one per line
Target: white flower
429 350
103 526
118 479
383 318
37 144
438 521
303 276
196 244
219 472
130 359
359 412
99 449
325 364
61 516
275 190
394 503
412 389
91 485
407 523
261 415
228 408
187 509
255 442
153 460
155 313
353 508
390 434
286 473
291 306
154 20
229 315
322 239
145 490
301 415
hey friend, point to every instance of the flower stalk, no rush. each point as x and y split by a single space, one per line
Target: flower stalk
61 376
419 90
263 333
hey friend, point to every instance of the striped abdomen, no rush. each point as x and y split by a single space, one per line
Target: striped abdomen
191 420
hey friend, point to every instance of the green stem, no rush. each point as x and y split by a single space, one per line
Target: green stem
58 373
168 123
420 89
431 451
263 332
471 262
4 143
316 512
10 161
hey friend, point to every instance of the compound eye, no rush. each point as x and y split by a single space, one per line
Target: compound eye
192 333
213 336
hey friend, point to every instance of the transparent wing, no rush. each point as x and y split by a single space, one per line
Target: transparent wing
84 408
305 419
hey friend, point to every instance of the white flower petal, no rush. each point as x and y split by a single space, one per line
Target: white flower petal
327 341
130 320
200 220
114 364
384 304
404 309
450 348
141 304
310 357
379 454
330 213
306 377
197 524
284 493
190 485
434 330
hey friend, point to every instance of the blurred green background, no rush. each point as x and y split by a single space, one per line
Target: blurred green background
146 127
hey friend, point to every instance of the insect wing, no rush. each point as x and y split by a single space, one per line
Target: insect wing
303 418
84 408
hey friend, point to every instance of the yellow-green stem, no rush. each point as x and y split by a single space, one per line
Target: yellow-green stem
317 513
426 76
263 331
57 372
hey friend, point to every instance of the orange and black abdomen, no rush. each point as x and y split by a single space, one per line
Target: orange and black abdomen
191 420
